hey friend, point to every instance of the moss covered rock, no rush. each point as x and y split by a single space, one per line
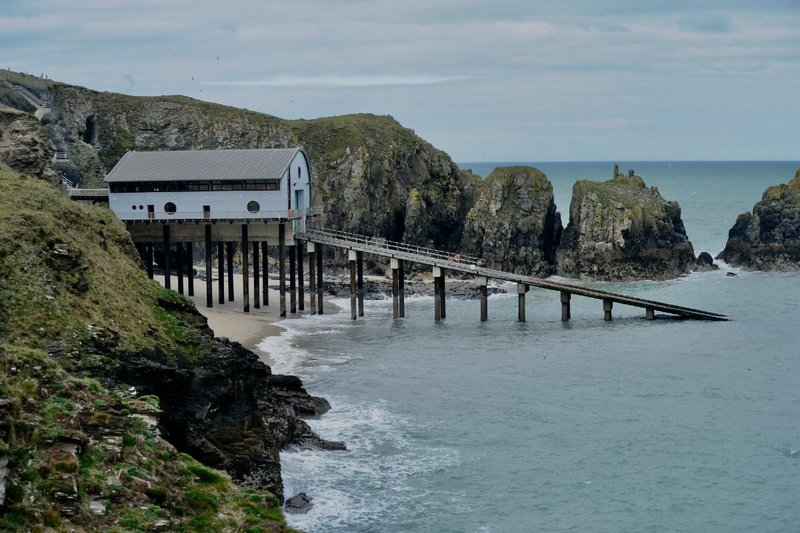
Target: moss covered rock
768 238
514 224
621 230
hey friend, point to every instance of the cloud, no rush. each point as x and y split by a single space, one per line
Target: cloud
337 81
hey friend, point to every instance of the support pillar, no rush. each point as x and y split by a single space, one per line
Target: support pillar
649 313
209 262
437 293
167 280
229 246
444 296
245 268
265 273
482 283
150 247
351 257
401 289
395 288
565 298
301 292
190 272
521 290
312 282
282 267
292 281
320 310
256 279
221 271
607 305
360 282
179 265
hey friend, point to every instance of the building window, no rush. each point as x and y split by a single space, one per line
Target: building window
169 208
133 207
253 207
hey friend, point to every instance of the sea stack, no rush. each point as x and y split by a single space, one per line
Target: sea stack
769 237
621 230
514 224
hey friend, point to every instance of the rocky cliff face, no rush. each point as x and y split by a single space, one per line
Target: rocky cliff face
24 147
621 230
769 237
514 224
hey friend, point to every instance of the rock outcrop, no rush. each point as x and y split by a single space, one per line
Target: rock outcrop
768 238
24 147
514 224
621 230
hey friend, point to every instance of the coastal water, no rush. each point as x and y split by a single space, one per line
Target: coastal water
627 425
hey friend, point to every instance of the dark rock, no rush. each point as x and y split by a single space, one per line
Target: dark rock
769 237
705 263
298 504
621 230
24 146
731 274
514 224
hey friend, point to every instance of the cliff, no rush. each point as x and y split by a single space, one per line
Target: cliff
514 224
24 146
768 238
621 230
106 377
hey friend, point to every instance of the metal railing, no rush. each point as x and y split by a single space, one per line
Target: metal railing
451 258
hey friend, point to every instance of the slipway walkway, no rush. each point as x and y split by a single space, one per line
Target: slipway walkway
441 261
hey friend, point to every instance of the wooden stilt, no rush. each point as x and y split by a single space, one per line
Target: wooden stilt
301 292
607 305
312 281
150 247
292 281
482 283
265 272
565 312
444 296
351 256
179 265
245 269
521 290
437 294
401 288
649 313
320 300
256 279
221 271
282 267
209 262
229 253
167 279
395 288
190 264
360 281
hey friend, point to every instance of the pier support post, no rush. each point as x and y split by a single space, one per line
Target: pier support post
167 279
256 279
320 301
649 313
190 262
360 282
221 271
312 281
150 247
265 272
401 289
351 259
179 265
301 291
437 294
209 262
521 290
607 305
443 302
282 267
245 269
483 282
565 298
229 246
394 263
292 281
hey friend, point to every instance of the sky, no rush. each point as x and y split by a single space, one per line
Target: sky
581 80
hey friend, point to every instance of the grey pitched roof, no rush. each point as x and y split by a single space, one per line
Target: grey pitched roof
195 165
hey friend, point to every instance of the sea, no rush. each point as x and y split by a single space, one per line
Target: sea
620 426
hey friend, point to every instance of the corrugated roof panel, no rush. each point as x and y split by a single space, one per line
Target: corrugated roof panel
192 165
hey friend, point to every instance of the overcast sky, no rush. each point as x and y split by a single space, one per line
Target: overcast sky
484 81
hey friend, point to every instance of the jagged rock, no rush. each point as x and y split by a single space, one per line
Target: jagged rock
705 263
24 146
621 230
769 237
298 504
514 224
